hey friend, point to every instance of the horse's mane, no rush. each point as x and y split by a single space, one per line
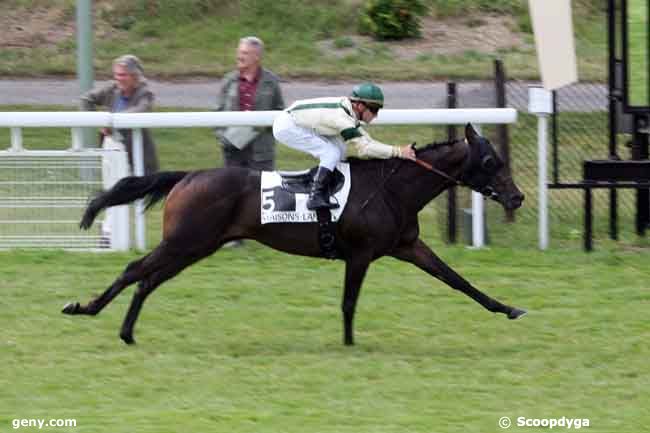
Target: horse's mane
436 145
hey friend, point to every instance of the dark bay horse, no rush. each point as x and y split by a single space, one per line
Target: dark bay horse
205 209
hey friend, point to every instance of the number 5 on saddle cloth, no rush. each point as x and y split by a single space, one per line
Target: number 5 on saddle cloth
284 200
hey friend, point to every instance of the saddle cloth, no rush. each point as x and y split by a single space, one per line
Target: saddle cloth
285 194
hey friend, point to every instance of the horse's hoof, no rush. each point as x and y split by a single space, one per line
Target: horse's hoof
127 338
516 313
71 308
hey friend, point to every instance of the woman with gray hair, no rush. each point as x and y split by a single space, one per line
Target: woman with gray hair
127 93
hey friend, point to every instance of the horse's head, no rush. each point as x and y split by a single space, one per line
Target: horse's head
485 172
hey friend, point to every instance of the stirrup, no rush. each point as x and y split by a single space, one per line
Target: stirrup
317 202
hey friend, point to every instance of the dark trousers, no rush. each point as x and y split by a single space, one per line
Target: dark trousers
149 155
233 157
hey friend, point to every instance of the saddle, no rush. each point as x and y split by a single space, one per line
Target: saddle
300 182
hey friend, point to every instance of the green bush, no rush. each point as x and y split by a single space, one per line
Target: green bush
392 19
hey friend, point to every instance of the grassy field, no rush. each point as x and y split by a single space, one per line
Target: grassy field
249 340
317 40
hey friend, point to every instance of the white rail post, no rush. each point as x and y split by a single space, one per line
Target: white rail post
138 170
478 214
115 166
16 139
78 139
540 103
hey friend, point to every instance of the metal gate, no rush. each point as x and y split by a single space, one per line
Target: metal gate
43 195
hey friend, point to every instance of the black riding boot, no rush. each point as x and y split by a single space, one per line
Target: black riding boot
319 195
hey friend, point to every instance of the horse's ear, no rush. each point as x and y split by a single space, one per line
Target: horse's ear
470 132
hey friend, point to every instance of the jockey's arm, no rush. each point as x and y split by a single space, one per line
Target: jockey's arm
332 116
367 147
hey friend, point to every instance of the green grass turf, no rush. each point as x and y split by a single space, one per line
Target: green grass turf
249 340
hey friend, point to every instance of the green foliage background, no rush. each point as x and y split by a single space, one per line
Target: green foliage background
392 19
198 37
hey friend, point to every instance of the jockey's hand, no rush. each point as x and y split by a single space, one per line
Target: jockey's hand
407 152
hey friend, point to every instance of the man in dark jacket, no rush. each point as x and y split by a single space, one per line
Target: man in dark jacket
127 93
250 87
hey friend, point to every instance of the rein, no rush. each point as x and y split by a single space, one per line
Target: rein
380 187
422 164
431 168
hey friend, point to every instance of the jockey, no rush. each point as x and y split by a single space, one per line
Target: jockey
322 127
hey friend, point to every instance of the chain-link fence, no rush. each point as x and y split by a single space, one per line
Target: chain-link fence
578 131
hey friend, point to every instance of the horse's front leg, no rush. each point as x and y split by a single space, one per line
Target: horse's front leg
421 256
355 272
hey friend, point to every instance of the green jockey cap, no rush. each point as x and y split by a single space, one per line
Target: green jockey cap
369 93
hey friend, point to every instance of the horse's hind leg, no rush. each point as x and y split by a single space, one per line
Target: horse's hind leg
171 267
131 274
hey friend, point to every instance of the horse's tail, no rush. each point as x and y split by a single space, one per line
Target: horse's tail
154 187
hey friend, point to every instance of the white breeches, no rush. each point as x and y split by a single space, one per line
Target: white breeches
328 150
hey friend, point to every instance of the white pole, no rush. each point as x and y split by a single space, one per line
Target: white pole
211 119
77 139
115 166
542 129
540 103
478 232
16 139
138 170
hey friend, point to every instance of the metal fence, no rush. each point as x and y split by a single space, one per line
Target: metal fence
42 194
579 131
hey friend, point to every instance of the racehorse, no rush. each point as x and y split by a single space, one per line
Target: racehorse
207 208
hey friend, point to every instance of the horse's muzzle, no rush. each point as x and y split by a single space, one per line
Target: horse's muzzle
515 201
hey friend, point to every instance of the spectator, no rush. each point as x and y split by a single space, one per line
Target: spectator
127 93
249 87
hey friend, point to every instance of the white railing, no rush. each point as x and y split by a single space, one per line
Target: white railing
77 120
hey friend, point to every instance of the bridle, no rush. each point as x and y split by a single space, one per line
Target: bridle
485 190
